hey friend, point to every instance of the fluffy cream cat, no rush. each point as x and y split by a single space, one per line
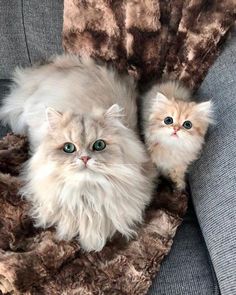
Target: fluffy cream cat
87 172
174 127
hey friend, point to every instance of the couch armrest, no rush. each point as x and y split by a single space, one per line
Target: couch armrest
213 176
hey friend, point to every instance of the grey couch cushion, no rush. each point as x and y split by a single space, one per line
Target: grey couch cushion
4 89
213 177
43 22
13 50
30 30
187 270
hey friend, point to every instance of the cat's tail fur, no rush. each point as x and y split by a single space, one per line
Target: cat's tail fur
12 109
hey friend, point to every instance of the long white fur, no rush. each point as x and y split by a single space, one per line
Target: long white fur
90 203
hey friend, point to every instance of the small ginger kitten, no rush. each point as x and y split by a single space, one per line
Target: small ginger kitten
174 127
88 172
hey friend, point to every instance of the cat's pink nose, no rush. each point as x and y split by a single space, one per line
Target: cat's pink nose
85 159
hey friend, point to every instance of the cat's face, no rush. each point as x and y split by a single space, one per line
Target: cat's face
91 144
88 176
178 123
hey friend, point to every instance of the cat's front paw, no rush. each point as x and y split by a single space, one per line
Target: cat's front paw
178 178
92 243
180 186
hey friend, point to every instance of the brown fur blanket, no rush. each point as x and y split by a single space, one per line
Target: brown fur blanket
148 39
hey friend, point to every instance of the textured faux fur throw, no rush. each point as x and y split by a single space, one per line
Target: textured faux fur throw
148 39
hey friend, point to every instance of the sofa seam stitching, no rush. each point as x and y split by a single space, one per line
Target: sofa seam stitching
24 30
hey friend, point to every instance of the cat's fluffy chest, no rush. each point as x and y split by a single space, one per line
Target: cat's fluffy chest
88 205
167 157
86 208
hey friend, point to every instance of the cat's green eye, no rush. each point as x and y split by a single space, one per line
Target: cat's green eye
69 148
168 121
187 125
99 145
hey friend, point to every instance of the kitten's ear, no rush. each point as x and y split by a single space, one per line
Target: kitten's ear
205 111
115 111
53 118
161 97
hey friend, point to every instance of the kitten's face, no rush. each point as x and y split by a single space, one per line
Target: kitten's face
90 144
178 123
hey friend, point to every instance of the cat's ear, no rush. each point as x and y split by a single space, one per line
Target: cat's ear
115 111
161 98
53 118
205 111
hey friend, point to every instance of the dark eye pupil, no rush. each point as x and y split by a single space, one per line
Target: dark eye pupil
69 147
168 120
99 145
187 125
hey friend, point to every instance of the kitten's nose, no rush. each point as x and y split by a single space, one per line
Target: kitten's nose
176 128
85 159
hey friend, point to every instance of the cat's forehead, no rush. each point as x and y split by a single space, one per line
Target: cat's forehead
84 123
179 108
84 128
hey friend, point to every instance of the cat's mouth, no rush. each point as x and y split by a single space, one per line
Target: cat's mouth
85 167
175 135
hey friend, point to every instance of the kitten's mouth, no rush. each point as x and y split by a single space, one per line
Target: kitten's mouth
85 166
175 135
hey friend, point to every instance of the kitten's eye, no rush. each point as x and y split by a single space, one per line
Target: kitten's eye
99 145
168 120
187 125
69 147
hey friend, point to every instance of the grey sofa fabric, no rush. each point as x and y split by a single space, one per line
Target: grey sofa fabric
30 30
13 49
187 270
4 90
43 21
213 177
